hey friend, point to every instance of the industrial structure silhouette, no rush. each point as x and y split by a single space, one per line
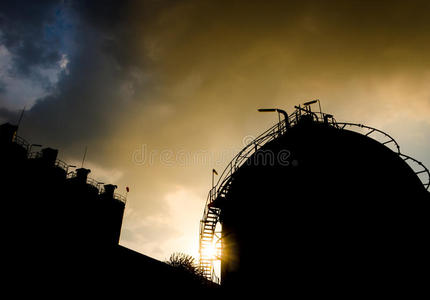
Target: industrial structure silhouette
62 228
316 204
310 204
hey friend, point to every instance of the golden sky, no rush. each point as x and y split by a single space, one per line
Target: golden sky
161 92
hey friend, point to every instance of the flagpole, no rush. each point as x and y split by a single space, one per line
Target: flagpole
214 172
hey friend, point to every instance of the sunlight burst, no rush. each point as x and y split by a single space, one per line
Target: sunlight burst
211 251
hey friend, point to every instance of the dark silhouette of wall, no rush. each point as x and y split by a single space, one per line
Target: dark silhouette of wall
51 206
61 230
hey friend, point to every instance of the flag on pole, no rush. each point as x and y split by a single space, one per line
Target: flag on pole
214 171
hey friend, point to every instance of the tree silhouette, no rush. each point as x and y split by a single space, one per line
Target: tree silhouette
185 263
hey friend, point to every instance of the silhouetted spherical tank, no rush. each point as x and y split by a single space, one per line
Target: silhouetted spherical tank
323 207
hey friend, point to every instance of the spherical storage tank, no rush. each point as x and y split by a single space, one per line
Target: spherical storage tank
314 203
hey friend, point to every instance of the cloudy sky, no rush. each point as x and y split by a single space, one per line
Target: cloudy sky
161 92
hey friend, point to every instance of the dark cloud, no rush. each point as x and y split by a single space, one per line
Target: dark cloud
8 116
2 87
26 30
91 94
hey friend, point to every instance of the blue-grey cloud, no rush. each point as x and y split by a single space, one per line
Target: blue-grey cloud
27 31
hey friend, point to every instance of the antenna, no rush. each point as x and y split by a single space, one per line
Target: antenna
20 118
83 159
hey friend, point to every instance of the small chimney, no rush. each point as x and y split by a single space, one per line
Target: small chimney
82 175
49 156
109 190
7 133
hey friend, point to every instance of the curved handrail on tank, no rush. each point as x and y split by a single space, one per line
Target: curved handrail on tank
342 125
424 169
236 162
270 134
405 157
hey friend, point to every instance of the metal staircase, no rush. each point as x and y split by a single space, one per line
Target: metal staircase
207 240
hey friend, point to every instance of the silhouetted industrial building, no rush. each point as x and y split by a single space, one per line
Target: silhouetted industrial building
56 205
314 205
61 228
